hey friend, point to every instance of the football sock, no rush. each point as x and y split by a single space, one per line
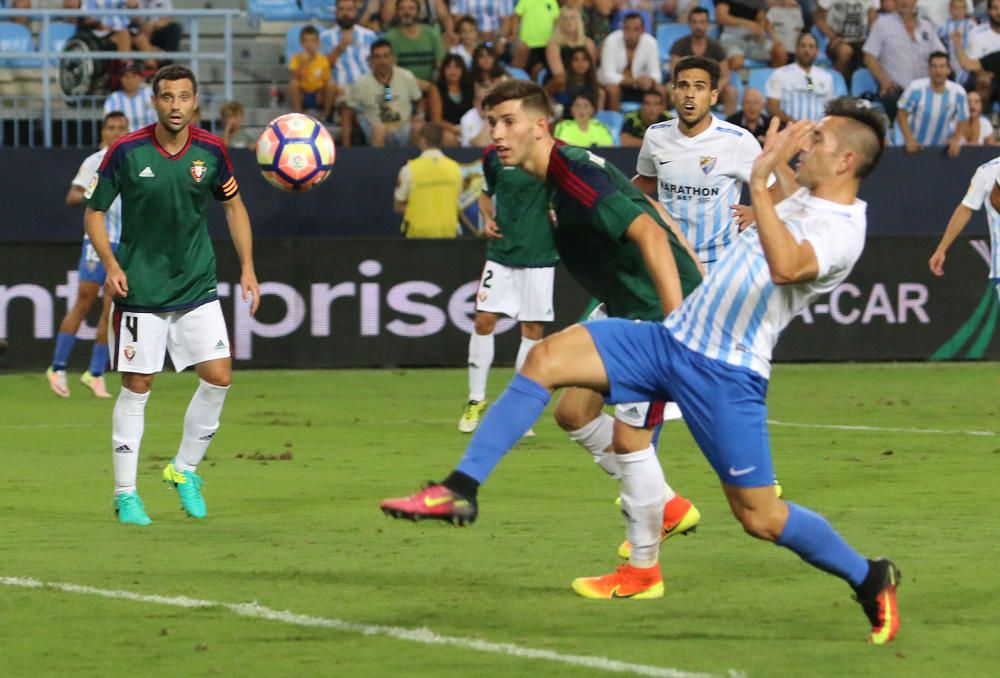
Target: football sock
126 437
643 492
596 438
200 424
522 351
480 361
462 484
64 345
504 424
816 542
98 359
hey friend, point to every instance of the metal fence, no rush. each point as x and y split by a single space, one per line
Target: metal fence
74 119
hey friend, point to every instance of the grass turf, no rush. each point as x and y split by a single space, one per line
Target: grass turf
295 475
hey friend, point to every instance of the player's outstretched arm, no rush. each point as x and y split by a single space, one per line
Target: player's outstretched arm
788 260
239 228
959 218
115 283
654 244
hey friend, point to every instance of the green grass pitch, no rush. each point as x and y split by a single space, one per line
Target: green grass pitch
295 475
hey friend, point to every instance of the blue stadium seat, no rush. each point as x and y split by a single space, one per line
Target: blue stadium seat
629 106
864 83
293 45
821 42
667 35
647 19
59 33
517 73
839 84
320 9
276 10
758 77
710 6
542 74
16 38
613 120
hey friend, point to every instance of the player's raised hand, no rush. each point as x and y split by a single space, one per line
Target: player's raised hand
251 290
491 231
780 146
116 283
937 263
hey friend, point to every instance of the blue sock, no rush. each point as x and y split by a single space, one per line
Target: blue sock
816 542
64 345
98 359
504 424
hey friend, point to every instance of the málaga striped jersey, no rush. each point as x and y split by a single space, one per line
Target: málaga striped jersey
978 194
86 175
803 94
138 109
934 115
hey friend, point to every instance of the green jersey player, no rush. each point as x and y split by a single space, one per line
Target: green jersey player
163 280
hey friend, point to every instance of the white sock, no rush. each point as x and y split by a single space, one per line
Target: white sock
522 351
644 492
127 422
480 361
200 424
596 438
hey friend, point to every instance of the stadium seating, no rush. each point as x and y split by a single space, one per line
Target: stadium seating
667 35
647 19
517 73
839 84
613 120
821 42
320 9
864 84
16 38
757 77
59 33
277 10
710 6
629 106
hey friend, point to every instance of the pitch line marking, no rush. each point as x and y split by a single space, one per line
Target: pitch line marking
886 429
421 635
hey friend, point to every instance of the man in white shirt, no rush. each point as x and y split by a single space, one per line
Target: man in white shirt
934 111
845 23
630 62
800 90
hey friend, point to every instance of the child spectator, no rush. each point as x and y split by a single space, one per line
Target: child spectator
583 129
311 86
468 38
234 135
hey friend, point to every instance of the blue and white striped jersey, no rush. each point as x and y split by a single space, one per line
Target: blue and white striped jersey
737 313
933 116
115 22
489 14
353 63
84 177
963 26
138 109
978 194
699 178
803 94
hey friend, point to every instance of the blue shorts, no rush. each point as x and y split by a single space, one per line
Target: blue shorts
310 100
723 405
91 268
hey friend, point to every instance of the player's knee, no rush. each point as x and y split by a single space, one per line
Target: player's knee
485 323
570 418
538 364
760 524
533 331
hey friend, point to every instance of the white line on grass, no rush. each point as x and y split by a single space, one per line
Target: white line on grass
422 635
859 427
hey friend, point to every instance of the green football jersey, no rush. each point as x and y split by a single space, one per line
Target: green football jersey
522 215
591 205
165 249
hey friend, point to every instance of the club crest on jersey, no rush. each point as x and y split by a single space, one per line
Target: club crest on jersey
707 163
198 170
129 352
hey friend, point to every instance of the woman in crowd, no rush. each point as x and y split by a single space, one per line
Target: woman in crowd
567 35
581 78
450 97
486 69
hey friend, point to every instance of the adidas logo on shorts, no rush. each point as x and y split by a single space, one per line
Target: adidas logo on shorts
220 345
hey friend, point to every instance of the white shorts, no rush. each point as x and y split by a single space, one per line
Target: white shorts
640 415
524 294
140 340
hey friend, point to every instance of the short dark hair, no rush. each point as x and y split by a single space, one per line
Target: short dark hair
632 16
698 10
653 93
710 66
466 19
803 35
530 94
113 114
381 42
432 133
174 72
938 55
865 118
308 30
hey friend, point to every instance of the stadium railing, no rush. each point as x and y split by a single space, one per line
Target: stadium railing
47 56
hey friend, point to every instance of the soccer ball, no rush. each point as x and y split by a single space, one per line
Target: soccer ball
295 152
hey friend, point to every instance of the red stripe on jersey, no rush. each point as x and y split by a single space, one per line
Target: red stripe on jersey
178 154
489 149
571 183
124 139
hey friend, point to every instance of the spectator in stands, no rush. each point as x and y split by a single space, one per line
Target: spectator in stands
959 21
429 12
383 100
787 23
468 38
475 131
350 45
310 85
485 67
652 111
699 44
984 41
567 34
533 23
134 99
494 19
800 91
630 62
158 33
746 33
752 117
369 14
114 27
450 98
897 50
427 189
19 4
234 135
933 110
418 47
596 17
581 79
979 130
845 23
583 129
